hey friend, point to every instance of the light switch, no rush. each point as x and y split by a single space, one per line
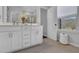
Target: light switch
55 24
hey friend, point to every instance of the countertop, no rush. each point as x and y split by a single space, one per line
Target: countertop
14 27
17 24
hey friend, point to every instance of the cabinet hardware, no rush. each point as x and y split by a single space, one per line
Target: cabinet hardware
9 35
26 43
37 32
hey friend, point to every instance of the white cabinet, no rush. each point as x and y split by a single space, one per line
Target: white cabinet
32 35
36 35
16 40
10 39
5 42
26 36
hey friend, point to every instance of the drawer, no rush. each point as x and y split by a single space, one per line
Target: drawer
26 39
26 44
26 28
26 34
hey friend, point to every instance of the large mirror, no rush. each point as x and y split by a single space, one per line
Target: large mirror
21 14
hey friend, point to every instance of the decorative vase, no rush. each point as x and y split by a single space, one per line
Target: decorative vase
23 19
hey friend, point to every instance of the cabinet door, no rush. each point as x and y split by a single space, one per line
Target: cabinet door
5 42
40 34
36 35
16 40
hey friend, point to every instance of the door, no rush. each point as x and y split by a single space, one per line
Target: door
16 40
3 13
52 23
44 20
5 42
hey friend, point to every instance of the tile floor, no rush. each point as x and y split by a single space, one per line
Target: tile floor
51 46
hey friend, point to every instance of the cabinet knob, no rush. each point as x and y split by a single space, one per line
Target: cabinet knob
25 43
25 34
37 32
10 35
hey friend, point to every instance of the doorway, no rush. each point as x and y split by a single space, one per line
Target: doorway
44 21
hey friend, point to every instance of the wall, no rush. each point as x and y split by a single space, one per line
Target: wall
78 18
74 38
44 20
3 13
52 23
0 13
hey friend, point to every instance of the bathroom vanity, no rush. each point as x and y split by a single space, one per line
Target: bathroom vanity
16 37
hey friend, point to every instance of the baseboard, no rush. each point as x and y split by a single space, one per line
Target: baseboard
52 39
76 45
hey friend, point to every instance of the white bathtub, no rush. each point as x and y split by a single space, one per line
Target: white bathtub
73 36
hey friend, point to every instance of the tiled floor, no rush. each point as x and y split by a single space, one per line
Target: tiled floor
51 46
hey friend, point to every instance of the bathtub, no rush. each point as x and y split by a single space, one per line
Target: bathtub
73 36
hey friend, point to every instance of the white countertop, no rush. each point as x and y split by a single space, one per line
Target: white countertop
19 24
14 27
